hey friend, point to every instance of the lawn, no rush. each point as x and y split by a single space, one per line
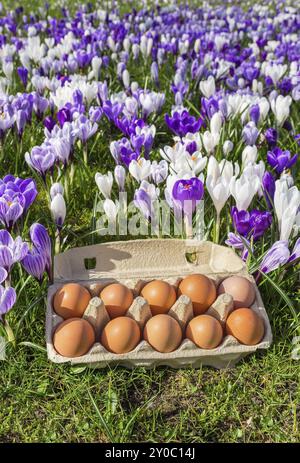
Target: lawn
257 401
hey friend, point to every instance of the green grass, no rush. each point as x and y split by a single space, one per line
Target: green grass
258 401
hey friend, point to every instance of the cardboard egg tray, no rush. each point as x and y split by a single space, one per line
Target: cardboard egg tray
134 263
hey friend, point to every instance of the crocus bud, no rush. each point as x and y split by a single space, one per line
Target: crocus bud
58 210
56 189
227 147
104 183
120 175
126 78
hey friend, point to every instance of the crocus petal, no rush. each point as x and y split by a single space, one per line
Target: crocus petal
7 300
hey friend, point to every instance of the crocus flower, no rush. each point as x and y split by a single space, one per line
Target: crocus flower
58 210
268 183
243 190
281 160
182 122
120 175
271 135
254 113
11 251
42 243
49 123
250 133
281 108
23 74
159 171
83 128
123 152
26 187
218 181
189 191
141 169
251 224
8 298
41 159
35 263
104 183
277 255
286 205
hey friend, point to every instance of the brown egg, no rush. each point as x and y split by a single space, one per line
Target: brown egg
163 333
205 331
121 335
241 289
71 300
200 289
160 295
117 299
73 337
246 326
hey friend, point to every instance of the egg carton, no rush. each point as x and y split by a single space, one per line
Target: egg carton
134 263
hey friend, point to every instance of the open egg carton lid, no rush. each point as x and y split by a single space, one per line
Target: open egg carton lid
131 262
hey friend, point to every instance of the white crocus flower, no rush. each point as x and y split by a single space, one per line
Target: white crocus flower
243 190
216 123
120 175
172 153
104 183
210 141
111 209
227 147
208 87
58 209
281 108
218 181
249 154
188 164
141 169
286 204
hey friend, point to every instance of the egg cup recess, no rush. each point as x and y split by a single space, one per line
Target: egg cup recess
187 354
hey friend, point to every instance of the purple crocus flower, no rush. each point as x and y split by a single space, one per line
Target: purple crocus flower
42 243
49 123
83 128
142 201
268 182
281 160
271 137
241 221
122 151
254 113
23 74
260 221
11 251
188 191
209 106
8 298
11 208
277 255
21 119
251 224
64 115
26 187
182 123
42 159
250 133
35 263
